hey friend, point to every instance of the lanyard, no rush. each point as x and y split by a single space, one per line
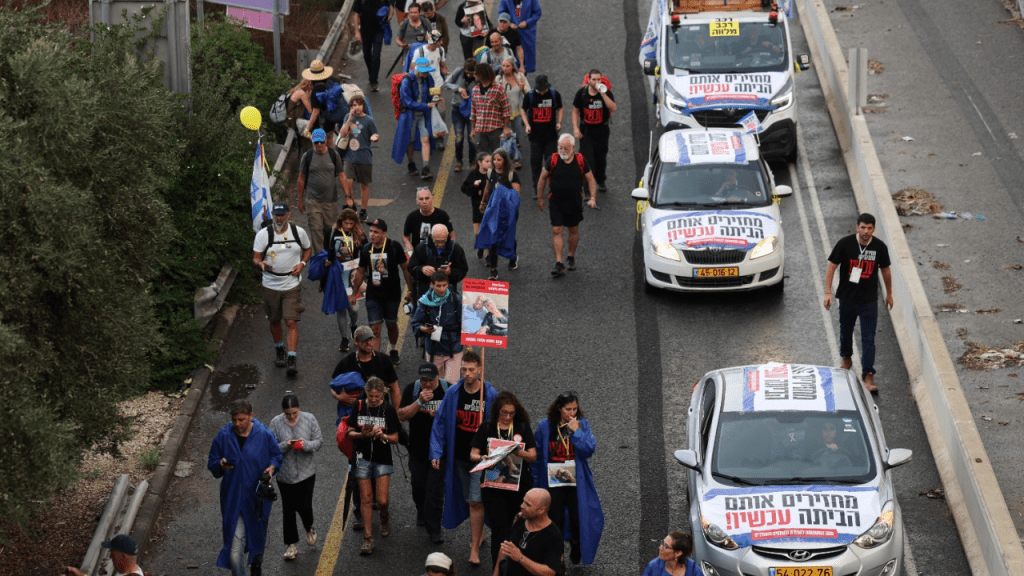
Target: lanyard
382 247
860 259
563 439
503 436
349 242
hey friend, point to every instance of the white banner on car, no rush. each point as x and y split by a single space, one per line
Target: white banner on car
776 386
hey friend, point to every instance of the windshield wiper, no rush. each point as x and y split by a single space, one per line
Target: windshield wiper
699 204
736 479
825 479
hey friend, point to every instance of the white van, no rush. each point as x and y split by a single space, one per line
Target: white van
712 62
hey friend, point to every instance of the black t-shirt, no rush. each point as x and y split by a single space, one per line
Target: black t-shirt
469 187
512 35
521 433
593 112
417 226
544 546
494 176
387 260
467 421
560 449
384 415
241 441
542 111
847 254
568 180
421 424
379 366
369 22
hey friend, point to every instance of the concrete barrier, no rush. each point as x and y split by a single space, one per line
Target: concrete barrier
972 492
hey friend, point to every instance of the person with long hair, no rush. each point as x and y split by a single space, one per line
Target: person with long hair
500 211
473 187
373 426
509 422
516 85
299 94
673 557
565 446
298 436
343 243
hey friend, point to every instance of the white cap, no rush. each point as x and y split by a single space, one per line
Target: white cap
439 560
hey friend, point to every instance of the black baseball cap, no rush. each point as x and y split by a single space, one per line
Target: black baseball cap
280 209
381 224
122 543
428 370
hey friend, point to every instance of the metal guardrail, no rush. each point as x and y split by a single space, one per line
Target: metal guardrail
117 518
986 529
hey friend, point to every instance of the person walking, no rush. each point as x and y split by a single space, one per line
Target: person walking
436 56
500 208
534 546
524 15
298 437
381 260
420 222
461 83
512 38
441 253
511 423
474 25
569 175
565 445
542 119
123 553
439 564
439 310
244 453
370 31
464 409
321 170
361 131
490 111
592 110
473 186
860 258
438 23
515 85
343 245
673 557
497 52
420 402
413 29
414 121
373 427
282 251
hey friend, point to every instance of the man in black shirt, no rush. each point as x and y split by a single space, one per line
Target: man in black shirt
440 253
542 119
569 174
420 221
591 114
420 402
381 260
370 32
859 258
534 547
511 35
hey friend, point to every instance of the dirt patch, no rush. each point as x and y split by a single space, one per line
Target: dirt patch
875 66
916 202
979 357
940 265
68 523
950 285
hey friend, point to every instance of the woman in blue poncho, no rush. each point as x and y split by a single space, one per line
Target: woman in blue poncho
672 557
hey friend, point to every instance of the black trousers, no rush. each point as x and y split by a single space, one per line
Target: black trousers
562 499
297 497
501 507
594 147
427 491
540 157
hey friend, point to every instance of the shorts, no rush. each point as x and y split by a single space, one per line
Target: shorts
470 482
377 311
566 211
361 173
366 470
285 304
419 126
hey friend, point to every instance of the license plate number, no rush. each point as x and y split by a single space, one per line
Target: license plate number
715 272
801 571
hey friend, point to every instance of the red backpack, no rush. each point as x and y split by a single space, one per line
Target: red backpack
579 161
344 442
396 99
607 84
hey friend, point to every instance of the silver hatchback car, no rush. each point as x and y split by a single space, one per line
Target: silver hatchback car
789 475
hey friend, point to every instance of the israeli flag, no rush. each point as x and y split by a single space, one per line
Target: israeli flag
649 46
751 124
259 189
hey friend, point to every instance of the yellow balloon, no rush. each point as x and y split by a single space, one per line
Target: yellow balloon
251 118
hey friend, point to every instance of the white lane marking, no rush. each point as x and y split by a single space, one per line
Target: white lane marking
909 566
975 106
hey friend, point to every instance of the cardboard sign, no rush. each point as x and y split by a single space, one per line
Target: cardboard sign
484 313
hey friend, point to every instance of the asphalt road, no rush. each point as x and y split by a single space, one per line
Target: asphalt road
632 357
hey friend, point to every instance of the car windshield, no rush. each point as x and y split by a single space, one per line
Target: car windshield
792 448
711 185
759 47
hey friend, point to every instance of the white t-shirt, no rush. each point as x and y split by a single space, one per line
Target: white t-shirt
436 57
282 256
132 573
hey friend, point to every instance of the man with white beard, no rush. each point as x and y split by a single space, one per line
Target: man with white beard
568 171
282 251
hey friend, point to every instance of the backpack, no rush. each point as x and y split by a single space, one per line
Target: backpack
271 241
554 160
345 444
440 382
279 109
396 98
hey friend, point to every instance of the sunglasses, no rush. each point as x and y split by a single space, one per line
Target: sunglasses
567 395
508 412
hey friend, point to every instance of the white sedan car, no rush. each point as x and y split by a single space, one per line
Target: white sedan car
711 219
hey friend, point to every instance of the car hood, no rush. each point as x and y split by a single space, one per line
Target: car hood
748 91
773 515
733 229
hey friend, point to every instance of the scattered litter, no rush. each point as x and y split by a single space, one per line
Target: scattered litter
978 42
986 418
907 139
988 311
942 245
967 215
976 154
223 388
915 202
940 265
183 469
1013 267
847 8
978 357
950 285
1018 321
878 110
875 66
983 387
967 261
1001 423
934 494
875 98
1012 375
979 217
1012 135
945 215
1019 239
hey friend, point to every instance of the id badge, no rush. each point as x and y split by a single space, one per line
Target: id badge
855 275
376 278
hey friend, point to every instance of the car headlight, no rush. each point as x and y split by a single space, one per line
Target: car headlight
665 250
708 569
881 531
784 98
717 536
764 247
673 99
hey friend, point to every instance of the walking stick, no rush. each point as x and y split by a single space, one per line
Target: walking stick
401 55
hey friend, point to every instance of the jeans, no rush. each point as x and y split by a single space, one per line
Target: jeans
868 314
461 127
594 147
297 497
540 157
238 550
489 141
371 55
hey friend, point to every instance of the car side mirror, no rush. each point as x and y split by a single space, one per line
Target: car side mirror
640 194
650 67
803 62
687 458
783 191
898 457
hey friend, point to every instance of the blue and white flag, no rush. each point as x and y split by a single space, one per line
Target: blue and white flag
751 124
649 46
259 190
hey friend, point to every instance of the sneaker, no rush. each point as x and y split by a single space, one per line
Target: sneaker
362 215
513 264
374 88
425 173
367 548
311 537
282 357
559 269
436 537
570 263
458 165
494 274
291 553
412 169
601 187
292 368
439 143
343 347
357 524
385 528
393 354
519 165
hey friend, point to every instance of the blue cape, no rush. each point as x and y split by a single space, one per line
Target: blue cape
408 92
442 445
347 382
335 295
498 226
591 520
238 486
407 65
382 13
316 269
530 14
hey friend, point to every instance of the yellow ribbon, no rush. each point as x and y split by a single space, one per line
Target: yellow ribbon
641 206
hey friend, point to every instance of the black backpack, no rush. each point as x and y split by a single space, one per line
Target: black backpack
271 241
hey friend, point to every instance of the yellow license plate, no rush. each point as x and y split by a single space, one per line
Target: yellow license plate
801 571
715 272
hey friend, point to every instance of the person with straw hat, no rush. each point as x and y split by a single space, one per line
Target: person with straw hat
317 73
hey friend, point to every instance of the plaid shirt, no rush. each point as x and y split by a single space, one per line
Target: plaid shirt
298 464
490 110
